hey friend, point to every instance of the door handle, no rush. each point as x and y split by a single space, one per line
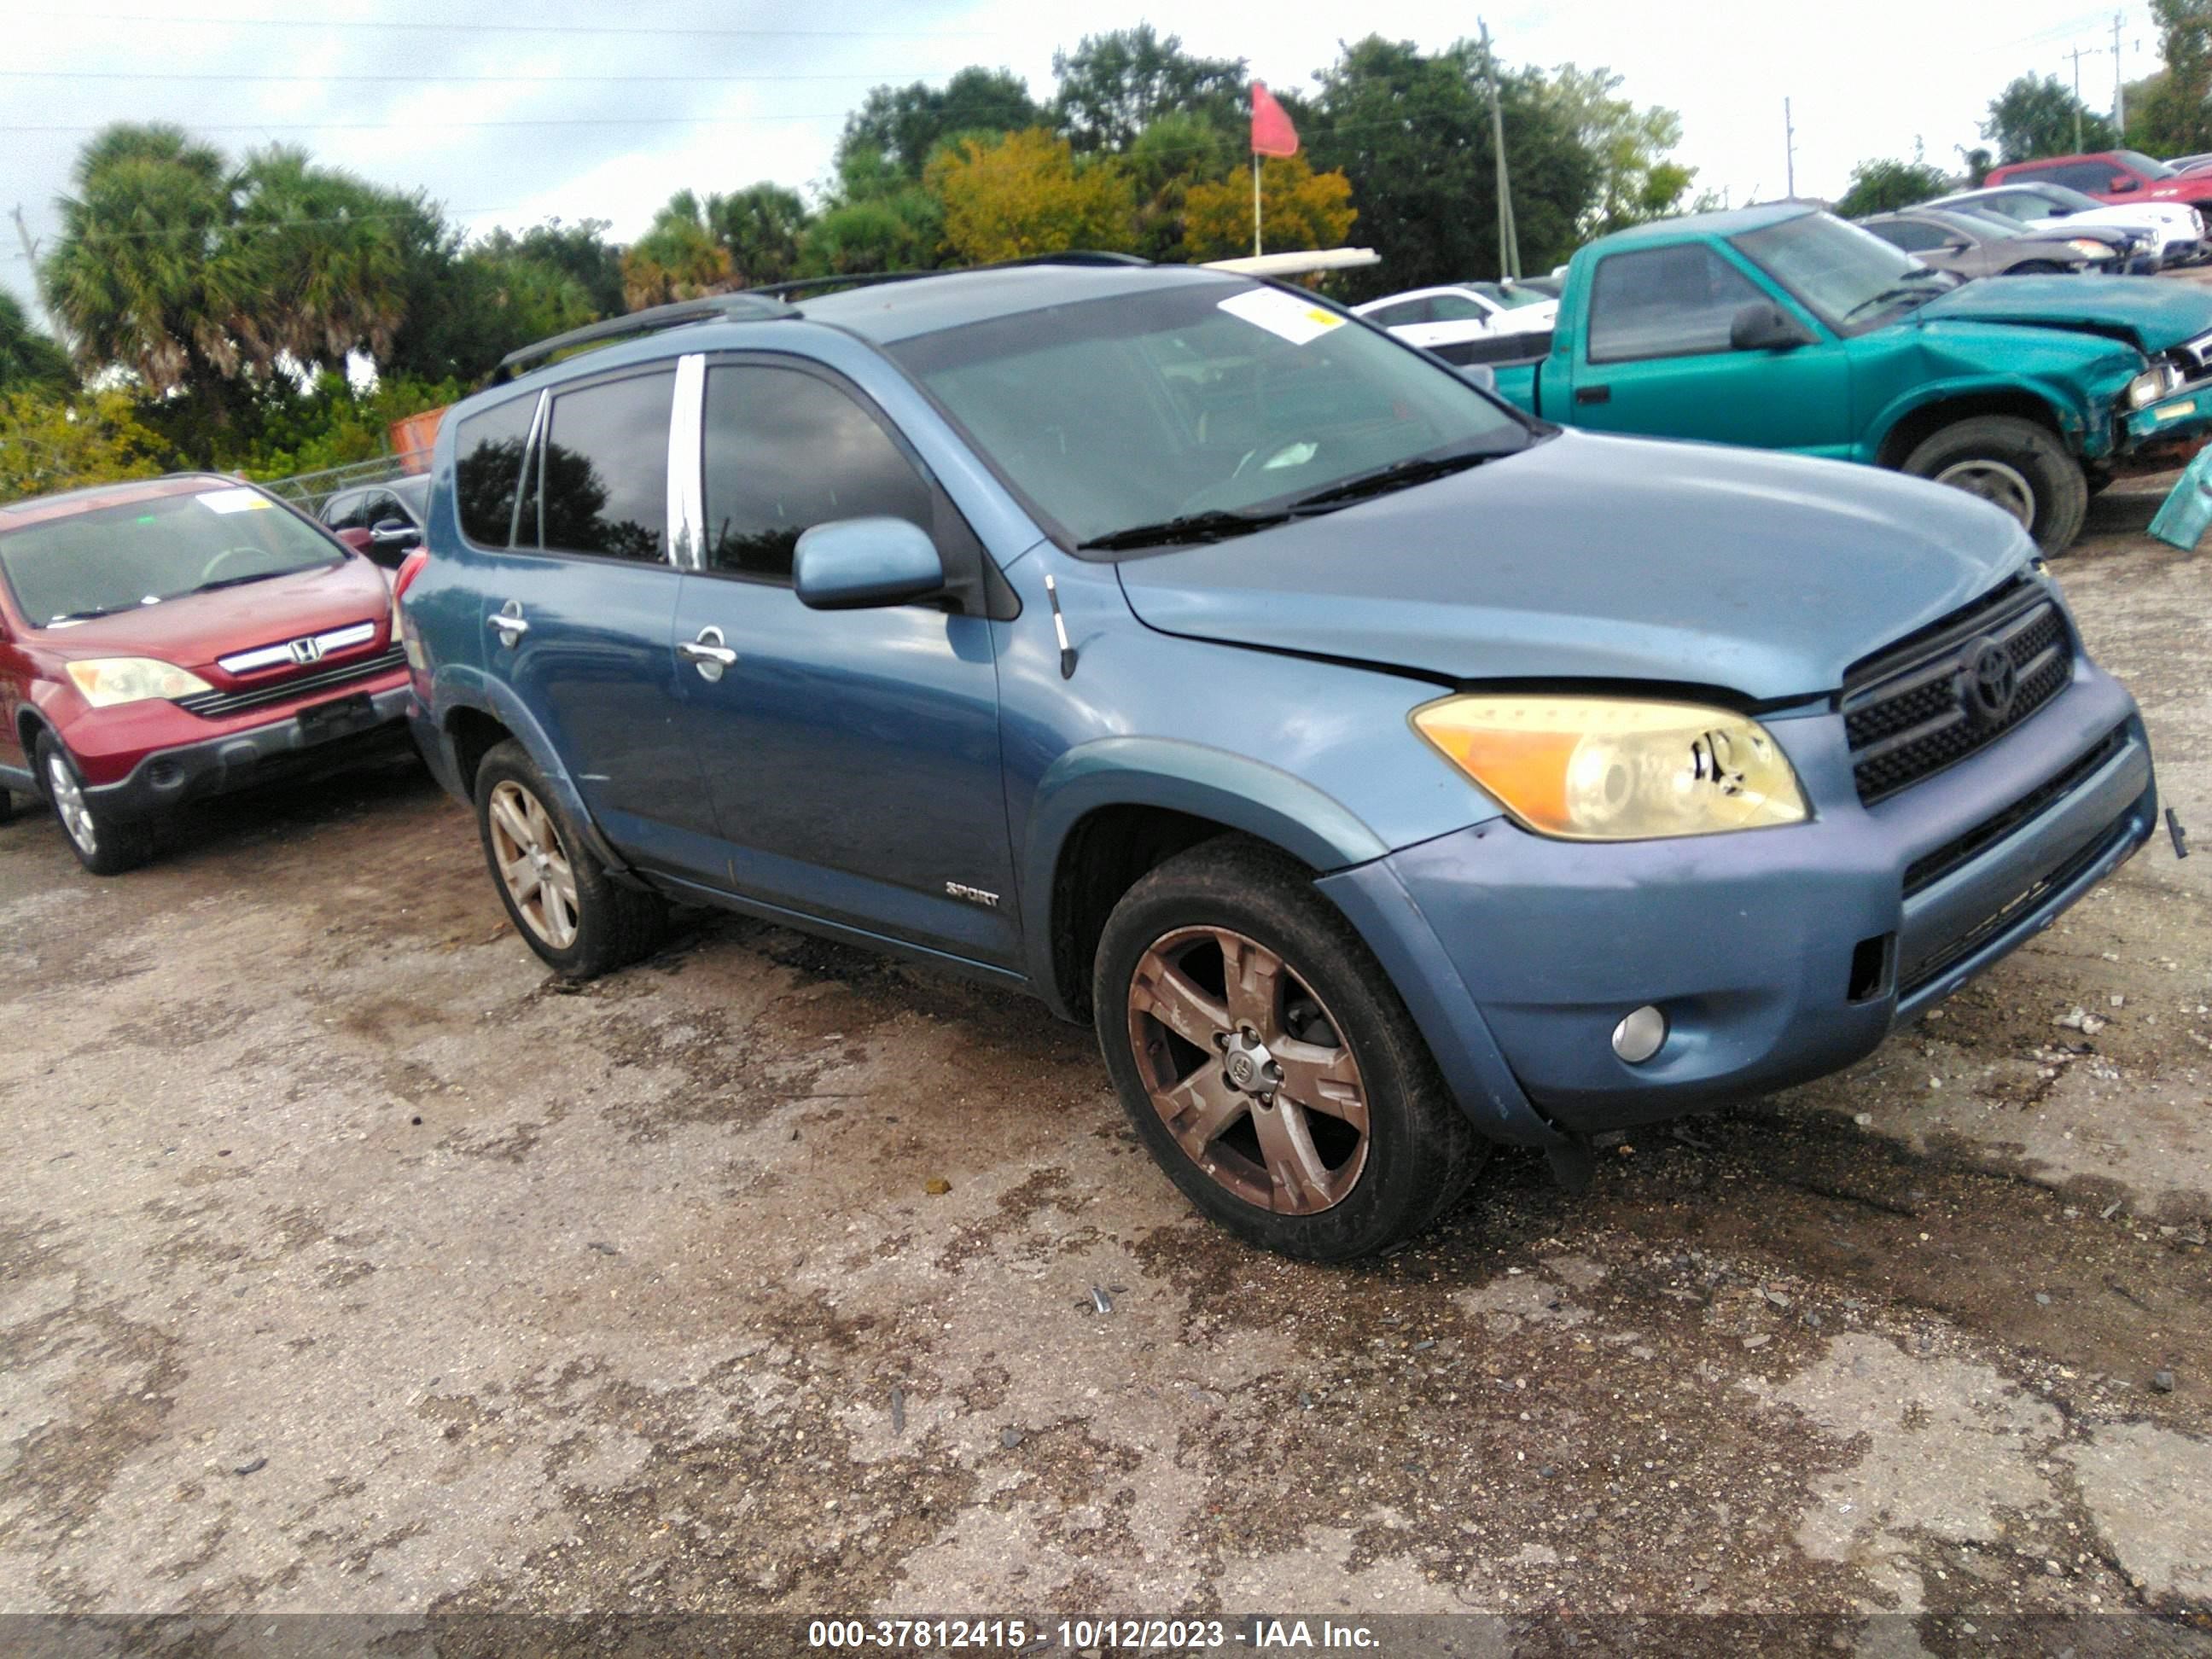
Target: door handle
506 622
1593 394
706 653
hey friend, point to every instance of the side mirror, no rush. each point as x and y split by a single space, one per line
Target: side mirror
1762 326
2122 185
854 564
356 539
395 533
1480 375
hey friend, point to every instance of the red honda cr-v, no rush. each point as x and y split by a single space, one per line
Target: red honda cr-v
174 638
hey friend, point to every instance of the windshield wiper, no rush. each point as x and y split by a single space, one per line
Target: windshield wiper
257 576
89 616
1399 475
1903 290
1213 525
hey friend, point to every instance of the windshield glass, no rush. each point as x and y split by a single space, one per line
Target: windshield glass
1509 294
1850 277
143 552
2139 163
2067 198
1206 397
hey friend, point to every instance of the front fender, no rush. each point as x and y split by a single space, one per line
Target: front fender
457 686
1211 783
2085 423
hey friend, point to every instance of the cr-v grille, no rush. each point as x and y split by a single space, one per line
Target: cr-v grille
1957 687
213 705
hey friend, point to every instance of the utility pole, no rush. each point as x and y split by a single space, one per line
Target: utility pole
1789 155
31 256
2119 85
2077 56
1509 238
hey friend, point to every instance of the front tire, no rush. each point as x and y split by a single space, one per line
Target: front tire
104 844
1266 1063
2014 464
579 921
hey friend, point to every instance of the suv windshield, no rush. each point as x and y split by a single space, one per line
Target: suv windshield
1207 397
116 558
1849 277
2066 196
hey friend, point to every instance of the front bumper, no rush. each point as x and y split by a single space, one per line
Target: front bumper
2186 414
286 748
1778 955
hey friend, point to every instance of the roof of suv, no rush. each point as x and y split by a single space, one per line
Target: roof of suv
38 509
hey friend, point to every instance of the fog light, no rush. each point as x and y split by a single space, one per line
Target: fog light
1637 1037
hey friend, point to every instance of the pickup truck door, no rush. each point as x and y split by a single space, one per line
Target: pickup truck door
852 756
1654 359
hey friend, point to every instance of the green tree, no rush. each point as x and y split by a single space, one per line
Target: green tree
906 125
1298 209
1114 85
49 443
2040 116
761 227
28 359
875 218
314 249
1179 150
1411 131
678 258
1026 194
1884 185
1636 178
579 252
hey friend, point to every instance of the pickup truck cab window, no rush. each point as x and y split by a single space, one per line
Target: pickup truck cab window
604 471
1665 302
785 451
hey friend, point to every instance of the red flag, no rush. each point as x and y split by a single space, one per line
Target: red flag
1271 131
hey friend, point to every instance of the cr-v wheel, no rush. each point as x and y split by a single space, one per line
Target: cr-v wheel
559 896
1266 1063
104 844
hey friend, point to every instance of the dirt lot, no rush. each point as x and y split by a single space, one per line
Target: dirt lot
346 1263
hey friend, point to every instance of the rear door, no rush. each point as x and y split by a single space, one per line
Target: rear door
852 756
578 612
1655 359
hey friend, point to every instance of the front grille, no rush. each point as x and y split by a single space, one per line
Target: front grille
213 705
1931 867
1911 712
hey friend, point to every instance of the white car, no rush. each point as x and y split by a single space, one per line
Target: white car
2180 231
1441 319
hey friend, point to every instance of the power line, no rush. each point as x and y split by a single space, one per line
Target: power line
439 80
323 25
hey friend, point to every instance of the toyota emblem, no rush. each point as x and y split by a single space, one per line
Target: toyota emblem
1989 682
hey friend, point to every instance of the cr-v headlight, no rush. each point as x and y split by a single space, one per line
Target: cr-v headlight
1612 769
108 680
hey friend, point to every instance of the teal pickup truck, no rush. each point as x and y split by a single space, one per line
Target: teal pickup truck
1781 327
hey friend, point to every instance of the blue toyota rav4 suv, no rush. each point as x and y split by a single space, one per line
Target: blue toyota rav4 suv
1386 775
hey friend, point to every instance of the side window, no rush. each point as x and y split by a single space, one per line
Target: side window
487 466
603 471
1664 302
1456 309
377 506
1401 315
338 512
2089 176
785 451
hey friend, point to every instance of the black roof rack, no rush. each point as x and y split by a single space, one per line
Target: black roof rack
871 278
755 306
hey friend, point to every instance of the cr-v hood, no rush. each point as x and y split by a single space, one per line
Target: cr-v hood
2152 316
1596 558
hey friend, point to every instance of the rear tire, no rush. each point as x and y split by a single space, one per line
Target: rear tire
7 807
1267 1063
2017 466
104 844
580 920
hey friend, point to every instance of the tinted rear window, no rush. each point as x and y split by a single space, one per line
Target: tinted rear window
605 469
487 466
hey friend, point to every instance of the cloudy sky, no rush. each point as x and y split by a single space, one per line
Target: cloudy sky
600 110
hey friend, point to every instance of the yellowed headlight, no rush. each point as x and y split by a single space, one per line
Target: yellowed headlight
1612 769
106 681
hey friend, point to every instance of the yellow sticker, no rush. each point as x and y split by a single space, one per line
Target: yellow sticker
1281 315
2175 411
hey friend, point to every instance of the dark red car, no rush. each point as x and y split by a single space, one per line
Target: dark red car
172 639
2111 175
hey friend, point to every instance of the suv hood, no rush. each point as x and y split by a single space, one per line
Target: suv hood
1596 558
2151 316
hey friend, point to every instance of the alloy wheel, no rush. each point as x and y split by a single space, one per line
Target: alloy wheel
1249 1071
533 864
70 805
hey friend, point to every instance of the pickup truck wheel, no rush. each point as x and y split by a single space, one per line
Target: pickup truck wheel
104 844
1266 1063
560 898
2013 464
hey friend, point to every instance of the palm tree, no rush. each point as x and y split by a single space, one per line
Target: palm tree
28 358
678 258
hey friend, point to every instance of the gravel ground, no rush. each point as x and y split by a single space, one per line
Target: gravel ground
348 1264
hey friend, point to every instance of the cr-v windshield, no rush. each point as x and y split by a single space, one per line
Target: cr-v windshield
1848 277
143 552
1198 403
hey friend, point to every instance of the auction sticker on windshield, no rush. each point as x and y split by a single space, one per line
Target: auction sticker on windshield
1281 315
232 500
